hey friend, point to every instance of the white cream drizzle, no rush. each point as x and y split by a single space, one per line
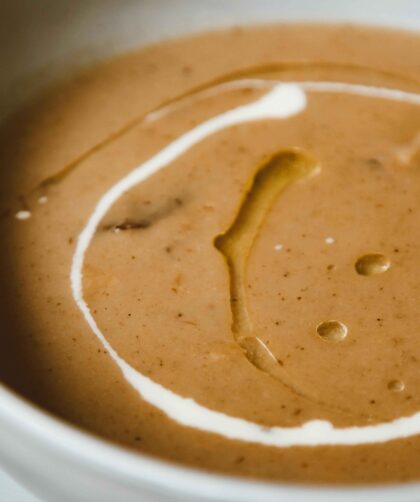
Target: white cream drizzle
23 215
282 101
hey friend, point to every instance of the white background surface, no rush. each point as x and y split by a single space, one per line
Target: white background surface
10 491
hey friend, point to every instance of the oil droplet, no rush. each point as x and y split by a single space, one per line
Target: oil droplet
332 331
258 353
23 215
329 240
43 199
278 247
396 386
372 264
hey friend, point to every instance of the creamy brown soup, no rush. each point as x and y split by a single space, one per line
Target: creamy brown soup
210 252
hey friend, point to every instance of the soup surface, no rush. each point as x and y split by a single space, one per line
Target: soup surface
210 252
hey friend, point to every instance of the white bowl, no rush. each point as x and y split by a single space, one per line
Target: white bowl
38 42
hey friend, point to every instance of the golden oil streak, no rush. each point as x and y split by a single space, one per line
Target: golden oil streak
271 178
252 71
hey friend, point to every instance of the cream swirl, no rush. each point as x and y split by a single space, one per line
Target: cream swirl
282 100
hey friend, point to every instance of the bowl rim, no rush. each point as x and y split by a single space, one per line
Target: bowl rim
159 476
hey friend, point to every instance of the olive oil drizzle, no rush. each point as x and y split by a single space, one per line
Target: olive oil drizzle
271 178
